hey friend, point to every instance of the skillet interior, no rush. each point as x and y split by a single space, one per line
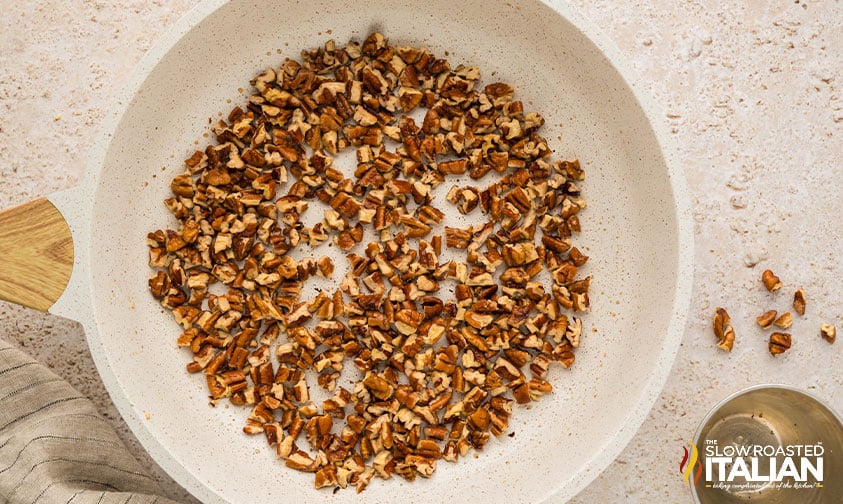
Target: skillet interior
639 248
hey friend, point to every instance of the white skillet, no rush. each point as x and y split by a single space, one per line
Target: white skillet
637 230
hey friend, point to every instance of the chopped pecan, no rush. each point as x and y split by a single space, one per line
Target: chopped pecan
766 319
439 377
784 321
771 281
779 343
799 301
828 332
723 330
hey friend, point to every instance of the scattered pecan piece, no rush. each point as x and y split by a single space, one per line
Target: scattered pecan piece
766 319
723 330
779 343
784 321
828 332
770 281
799 301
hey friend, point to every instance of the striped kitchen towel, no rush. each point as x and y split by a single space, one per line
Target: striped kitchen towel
55 448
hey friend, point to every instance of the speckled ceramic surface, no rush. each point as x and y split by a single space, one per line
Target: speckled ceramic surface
636 230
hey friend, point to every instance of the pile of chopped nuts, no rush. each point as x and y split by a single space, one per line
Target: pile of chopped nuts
438 375
779 342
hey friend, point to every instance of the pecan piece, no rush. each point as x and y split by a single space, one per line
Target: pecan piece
784 321
770 281
828 333
766 319
779 343
799 301
723 330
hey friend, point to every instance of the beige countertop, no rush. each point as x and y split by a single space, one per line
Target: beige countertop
752 92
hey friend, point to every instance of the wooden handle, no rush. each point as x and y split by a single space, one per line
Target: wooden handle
36 254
